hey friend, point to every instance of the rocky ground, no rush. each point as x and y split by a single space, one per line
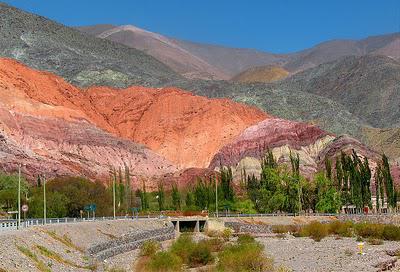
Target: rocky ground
65 245
331 254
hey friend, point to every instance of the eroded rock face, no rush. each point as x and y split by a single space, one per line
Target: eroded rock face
278 135
312 144
48 125
185 128
85 132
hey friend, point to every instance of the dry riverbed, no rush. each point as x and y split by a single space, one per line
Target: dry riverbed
331 254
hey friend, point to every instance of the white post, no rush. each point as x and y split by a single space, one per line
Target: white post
19 197
216 197
114 195
44 201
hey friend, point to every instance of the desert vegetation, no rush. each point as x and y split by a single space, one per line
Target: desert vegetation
373 233
210 254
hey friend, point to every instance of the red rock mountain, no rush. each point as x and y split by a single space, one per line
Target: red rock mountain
185 128
51 125
47 125
280 136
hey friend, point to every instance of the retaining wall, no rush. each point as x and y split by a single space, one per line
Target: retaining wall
130 241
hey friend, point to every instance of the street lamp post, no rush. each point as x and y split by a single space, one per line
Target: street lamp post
19 197
44 201
114 195
216 196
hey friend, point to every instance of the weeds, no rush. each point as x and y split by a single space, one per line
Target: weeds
149 248
40 265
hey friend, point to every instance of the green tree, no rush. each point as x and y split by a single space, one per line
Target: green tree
328 199
9 191
176 197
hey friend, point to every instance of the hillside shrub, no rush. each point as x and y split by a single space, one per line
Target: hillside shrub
183 247
200 255
244 257
227 233
165 261
245 238
316 230
215 244
366 230
149 248
391 232
343 229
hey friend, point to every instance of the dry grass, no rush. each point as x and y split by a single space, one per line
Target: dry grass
40 265
64 240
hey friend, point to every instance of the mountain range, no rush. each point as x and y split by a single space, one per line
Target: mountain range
205 61
82 101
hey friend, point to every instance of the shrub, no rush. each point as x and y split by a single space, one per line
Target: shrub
316 230
183 247
149 248
285 229
227 233
344 229
244 257
245 238
200 255
215 244
366 230
165 261
391 232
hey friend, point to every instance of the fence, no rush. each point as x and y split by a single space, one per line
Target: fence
12 224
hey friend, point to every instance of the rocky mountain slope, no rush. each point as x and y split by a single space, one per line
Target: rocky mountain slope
44 117
46 128
185 128
205 61
386 45
193 60
81 59
283 137
264 74
368 86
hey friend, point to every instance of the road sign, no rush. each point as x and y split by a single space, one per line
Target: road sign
90 208
24 208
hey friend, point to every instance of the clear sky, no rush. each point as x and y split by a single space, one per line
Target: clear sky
275 26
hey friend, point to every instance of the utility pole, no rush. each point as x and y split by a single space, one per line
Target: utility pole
44 200
216 196
114 194
19 197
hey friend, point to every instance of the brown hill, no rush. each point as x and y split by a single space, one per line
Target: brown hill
264 74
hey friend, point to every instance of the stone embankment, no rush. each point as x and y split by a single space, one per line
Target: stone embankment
77 246
130 241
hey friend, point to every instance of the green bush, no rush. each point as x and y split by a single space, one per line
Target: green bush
227 233
316 230
366 230
344 229
200 255
391 232
165 261
183 247
281 229
244 257
245 238
149 248
215 244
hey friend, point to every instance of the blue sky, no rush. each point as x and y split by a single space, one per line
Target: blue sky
275 26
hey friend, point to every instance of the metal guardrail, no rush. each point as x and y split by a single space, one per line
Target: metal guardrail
12 224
